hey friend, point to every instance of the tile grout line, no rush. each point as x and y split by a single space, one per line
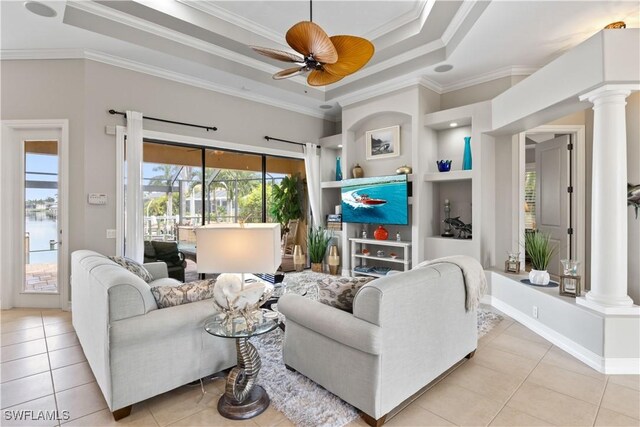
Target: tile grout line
520 386
604 390
53 385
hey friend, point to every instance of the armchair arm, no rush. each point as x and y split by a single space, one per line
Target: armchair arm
157 269
332 323
181 255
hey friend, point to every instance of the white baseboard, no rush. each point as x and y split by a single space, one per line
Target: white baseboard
600 364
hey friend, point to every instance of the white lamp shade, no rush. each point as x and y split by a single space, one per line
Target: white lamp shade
232 248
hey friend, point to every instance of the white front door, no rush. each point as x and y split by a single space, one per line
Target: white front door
552 197
34 212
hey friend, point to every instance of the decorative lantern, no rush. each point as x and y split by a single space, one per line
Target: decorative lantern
512 265
570 282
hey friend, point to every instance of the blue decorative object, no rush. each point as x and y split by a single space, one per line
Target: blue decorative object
444 165
551 284
338 169
466 161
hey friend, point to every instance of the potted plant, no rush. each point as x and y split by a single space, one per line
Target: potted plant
317 243
286 201
538 247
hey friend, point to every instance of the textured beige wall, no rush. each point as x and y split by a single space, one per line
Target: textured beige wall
82 91
476 93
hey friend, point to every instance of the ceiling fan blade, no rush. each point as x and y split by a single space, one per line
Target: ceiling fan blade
308 38
289 72
322 78
278 54
353 54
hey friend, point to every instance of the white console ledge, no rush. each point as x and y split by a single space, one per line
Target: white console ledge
609 343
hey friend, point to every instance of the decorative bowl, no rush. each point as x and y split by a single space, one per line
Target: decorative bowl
404 170
393 255
444 165
365 252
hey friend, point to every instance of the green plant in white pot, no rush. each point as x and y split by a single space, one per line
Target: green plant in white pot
540 250
317 243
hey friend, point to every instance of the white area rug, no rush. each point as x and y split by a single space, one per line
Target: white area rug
301 400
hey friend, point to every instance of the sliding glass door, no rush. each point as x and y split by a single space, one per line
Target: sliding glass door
188 186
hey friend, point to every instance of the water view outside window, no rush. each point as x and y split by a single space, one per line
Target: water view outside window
41 216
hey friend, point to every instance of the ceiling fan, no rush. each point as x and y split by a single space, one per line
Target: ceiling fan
326 59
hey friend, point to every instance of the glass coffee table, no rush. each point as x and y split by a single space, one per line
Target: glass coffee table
242 399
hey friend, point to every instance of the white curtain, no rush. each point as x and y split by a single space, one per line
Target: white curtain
312 166
134 237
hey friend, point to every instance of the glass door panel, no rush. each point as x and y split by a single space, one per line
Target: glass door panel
292 172
233 183
41 217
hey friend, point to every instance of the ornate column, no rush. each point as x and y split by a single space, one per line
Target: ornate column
608 200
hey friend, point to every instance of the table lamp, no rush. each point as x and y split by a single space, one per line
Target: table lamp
236 249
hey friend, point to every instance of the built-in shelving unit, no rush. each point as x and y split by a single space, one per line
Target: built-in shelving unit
461 175
445 132
402 262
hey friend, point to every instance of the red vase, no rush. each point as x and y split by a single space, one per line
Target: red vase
381 233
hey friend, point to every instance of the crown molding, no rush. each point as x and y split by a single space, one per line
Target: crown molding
116 61
201 83
457 21
489 76
26 54
387 87
263 31
221 13
157 30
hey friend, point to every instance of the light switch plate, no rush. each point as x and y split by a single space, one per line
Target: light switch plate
111 233
97 199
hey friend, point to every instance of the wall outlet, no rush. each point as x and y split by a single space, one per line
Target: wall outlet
535 312
111 233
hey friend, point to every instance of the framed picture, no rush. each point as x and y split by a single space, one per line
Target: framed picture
383 143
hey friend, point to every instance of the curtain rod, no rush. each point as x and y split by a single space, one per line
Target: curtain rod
208 128
269 138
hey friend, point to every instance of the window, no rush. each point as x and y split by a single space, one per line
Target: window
530 199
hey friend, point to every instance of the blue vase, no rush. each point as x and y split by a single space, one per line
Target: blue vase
466 161
338 169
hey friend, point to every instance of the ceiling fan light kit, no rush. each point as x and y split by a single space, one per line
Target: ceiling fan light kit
326 59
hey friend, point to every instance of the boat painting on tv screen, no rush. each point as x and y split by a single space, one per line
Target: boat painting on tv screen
376 200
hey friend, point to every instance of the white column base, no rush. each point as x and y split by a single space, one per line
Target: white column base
621 310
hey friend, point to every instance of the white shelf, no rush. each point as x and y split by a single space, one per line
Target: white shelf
450 239
331 184
393 243
383 258
460 175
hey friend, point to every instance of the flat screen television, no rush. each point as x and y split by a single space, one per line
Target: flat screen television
376 200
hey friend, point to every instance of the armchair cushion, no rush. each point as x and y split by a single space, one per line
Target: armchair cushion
165 281
169 296
133 266
168 252
339 292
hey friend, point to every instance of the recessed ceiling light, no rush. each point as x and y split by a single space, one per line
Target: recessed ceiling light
453 124
339 145
443 68
40 9
326 107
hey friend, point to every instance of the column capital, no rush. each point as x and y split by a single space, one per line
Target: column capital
623 90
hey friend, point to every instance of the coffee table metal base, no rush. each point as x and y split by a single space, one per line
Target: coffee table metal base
255 404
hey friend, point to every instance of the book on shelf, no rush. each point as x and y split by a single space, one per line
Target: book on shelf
334 218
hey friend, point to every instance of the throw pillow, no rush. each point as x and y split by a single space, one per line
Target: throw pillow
339 292
165 281
169 296
133 266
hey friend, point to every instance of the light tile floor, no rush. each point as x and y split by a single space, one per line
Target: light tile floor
516 379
